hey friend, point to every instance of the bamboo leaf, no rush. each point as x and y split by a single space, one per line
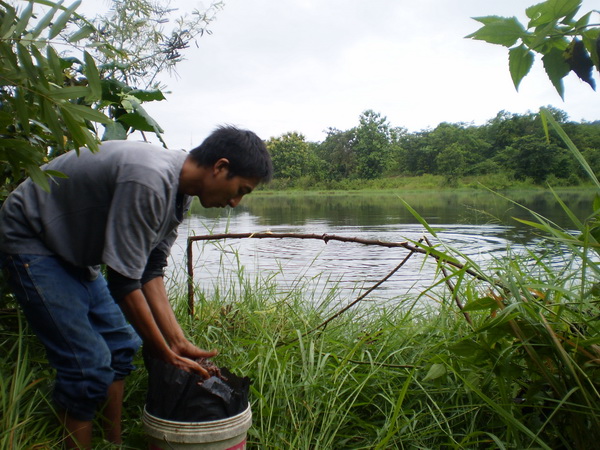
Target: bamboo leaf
91 140
93 77
38 177
55 174
75 127
85 112
55 64
69 92
41 63
9 56
22 110
51 120
26 61
46 20
82 33
23 20
27 152
7 24
61 22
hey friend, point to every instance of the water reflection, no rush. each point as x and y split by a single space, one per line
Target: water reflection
478 224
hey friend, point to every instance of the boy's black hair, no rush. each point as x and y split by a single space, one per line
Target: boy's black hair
247 153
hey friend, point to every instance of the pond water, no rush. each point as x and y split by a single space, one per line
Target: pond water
478 224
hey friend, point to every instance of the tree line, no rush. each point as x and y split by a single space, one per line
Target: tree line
514 145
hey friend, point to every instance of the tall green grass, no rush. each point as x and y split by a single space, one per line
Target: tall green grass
522 373
393 377
27 416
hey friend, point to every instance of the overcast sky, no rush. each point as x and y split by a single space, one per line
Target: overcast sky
275 66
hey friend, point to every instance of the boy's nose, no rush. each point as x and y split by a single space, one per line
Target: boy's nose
235 201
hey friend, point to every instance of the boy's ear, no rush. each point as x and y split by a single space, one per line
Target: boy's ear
221 164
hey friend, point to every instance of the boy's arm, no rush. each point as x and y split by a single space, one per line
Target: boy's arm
156 324
158 300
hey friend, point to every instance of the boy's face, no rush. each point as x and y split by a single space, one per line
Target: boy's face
213 185
224 191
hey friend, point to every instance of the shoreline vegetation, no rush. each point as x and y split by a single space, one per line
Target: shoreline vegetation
370 191
416 184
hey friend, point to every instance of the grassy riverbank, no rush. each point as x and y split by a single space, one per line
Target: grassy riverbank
427 182
517 368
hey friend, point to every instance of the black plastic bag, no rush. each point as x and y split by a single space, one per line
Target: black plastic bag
186 397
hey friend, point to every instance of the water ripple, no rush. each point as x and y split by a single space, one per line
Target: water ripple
350 266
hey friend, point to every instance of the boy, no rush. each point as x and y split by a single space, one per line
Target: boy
120 207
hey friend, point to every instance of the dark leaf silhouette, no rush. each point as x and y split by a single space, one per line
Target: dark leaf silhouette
580 62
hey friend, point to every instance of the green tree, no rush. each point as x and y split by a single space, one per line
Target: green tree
586 137
135 43
372 145
418 156
397 152
565 43
536 158
337 153
458 136
452 162
290 154
501 131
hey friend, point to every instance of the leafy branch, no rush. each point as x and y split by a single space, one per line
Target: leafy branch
52 100
566 44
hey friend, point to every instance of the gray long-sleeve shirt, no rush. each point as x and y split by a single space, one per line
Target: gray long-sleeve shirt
115 207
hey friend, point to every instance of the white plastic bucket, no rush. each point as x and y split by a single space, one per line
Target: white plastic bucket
224 434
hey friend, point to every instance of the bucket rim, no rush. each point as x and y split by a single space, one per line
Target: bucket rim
217 422
197 432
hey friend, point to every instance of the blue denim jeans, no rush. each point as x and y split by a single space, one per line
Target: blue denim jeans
86 336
